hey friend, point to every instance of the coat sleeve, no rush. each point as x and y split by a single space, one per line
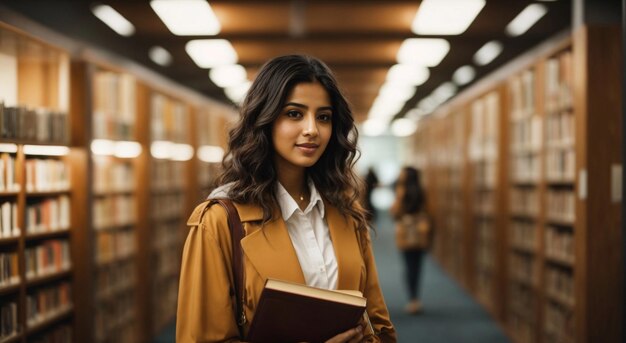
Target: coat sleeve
376 307
205 307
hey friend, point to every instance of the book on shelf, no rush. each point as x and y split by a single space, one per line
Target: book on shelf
290 312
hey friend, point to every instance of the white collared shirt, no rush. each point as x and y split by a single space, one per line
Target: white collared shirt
310 237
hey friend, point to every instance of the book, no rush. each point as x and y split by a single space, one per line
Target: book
290 312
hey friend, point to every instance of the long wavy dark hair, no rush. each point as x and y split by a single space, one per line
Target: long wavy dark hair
414 199
249 163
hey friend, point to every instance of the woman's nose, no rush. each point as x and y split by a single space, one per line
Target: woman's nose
310 125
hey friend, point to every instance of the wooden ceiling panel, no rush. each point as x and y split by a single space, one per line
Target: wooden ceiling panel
368 17
253 17
377 52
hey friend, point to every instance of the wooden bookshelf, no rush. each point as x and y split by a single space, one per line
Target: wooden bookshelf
540 189
36 196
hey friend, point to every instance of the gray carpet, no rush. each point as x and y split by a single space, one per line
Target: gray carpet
450 315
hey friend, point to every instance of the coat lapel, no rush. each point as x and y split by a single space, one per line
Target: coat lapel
346 247
269 249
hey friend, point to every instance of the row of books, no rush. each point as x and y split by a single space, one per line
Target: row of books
485 174
522 94
39 125
560 282
114 211
8 320
523 234
167 236
520 329
561 206
114 279
112 176
9 269
168 175
60 334
485 113
115 108
523 268
164 301
561 165
167 206
113 246
49 257
47 175
8 172
9 219
484 202
559 244
169 119
48 302
559 89
560 130
558 323
522 301
115 319
526 135
525 168
524 201
485 257
48 215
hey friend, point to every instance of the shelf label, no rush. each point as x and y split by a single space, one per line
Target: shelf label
616 183
582 184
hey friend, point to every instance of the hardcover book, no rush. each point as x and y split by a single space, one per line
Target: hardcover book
289 312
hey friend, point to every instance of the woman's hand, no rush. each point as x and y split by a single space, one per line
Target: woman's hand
351 336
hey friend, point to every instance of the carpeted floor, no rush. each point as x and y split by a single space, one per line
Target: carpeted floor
450 315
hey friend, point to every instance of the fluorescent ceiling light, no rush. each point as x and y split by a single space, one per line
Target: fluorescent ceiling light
408 74
228 75
374 127
46 150
187 17
464 75
237 93
403 127
160 56
445 17
426 52
427 104
444 92
415 114
210 153
487 53
526 19
113 19
209 53
385 108
161 149
397 92
102 147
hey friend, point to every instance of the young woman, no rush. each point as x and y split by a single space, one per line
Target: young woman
412 231
289 171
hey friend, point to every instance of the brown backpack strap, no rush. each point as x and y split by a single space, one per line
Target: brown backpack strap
236 234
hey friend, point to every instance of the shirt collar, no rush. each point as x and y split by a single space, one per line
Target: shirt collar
288 205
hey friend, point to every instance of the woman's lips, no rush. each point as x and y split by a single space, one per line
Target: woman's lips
307 148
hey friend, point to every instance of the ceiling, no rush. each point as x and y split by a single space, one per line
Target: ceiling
358 39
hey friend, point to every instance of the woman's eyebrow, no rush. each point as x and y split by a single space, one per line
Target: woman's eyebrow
295 104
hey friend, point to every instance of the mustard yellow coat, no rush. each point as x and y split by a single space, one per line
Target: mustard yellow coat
205 305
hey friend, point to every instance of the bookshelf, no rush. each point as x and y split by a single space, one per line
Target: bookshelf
541 190
36 194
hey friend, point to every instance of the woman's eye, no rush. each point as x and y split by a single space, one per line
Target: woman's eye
293 114
324 117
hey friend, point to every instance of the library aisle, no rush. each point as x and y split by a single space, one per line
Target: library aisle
450 314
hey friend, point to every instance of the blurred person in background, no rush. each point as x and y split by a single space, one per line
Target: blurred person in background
412 231
371 182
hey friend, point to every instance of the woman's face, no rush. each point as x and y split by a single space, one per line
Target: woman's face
301 132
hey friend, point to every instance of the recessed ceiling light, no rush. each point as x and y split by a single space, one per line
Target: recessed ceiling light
210 153
113 19
444 92
374 127
408 74
46 150
445 17
385 108
398 92
237 93
426 52
160 56
187 17
464 75
228 75
526 19
487 53
209 53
